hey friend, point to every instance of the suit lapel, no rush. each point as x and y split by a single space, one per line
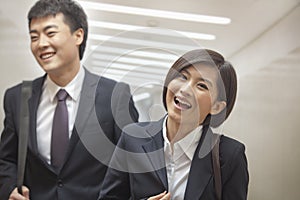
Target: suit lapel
85 109
201 168
33 103
155 152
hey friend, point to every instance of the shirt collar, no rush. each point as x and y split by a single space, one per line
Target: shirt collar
188 144
73 88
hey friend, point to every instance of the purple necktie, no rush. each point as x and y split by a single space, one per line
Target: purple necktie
60 130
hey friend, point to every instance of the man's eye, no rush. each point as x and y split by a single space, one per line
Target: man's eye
52 33
33 38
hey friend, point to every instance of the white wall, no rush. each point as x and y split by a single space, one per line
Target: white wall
267 112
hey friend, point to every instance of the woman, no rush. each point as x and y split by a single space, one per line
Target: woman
171 158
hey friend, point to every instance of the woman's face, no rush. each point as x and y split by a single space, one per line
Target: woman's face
192 95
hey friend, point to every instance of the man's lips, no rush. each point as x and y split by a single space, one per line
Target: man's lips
181 103
47 55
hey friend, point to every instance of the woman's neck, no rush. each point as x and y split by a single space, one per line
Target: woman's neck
177 131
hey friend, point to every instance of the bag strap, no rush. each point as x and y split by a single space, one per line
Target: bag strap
216 166
23 132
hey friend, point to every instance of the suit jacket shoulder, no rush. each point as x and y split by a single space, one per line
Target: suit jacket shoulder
234 169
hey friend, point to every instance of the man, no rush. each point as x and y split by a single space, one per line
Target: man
64 160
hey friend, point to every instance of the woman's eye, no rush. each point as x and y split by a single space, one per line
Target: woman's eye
182 76
202 85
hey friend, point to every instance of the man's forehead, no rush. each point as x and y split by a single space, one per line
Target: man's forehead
46 20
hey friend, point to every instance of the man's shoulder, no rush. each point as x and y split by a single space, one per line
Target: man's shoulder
105 81
101 79
16 89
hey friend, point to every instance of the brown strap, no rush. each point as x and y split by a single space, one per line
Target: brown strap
216 166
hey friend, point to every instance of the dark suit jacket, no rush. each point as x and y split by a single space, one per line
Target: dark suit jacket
139 172
105 107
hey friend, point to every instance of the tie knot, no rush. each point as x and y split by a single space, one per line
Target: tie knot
62 95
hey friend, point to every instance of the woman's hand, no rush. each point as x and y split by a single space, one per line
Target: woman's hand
161 196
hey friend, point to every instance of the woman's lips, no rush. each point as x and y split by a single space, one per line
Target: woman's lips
181 103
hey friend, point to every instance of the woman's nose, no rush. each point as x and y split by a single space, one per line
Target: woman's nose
186 89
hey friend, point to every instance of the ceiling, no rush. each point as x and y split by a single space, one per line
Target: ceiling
147 52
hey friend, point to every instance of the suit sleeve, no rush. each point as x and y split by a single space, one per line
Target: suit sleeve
235 184
116 184
8 148
124 111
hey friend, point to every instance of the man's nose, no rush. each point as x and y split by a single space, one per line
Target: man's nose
43 41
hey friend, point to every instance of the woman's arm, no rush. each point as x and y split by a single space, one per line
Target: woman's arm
235 185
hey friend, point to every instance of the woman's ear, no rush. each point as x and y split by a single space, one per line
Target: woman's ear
79 34
218 107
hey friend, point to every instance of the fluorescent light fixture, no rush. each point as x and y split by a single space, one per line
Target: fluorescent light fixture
143 43
133 61
112 53
142 96
144 29
127 71
155 13
142 53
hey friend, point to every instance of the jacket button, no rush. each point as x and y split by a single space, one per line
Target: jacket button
60 183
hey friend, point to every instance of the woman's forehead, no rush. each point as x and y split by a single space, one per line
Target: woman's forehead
202 70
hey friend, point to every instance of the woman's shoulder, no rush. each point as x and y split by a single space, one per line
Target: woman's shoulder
147 128
231 149
134 136
230 143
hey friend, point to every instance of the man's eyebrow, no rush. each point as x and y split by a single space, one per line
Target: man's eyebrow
45 29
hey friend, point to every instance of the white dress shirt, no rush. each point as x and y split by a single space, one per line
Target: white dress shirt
178 160
46 109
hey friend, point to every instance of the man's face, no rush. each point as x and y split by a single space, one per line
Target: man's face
54 46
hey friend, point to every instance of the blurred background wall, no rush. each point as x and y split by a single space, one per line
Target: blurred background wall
137 41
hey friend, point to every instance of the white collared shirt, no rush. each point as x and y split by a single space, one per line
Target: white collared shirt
178 160
47 107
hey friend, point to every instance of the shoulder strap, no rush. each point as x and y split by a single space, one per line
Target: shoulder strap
23 132
216 166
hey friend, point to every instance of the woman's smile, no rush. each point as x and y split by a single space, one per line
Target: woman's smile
181 103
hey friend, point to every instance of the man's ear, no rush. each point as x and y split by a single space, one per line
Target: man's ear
79 35
217 107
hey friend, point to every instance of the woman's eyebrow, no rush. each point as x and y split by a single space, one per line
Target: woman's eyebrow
200 78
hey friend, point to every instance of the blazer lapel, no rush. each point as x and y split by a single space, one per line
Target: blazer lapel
201 168
86 110
33 103
155 152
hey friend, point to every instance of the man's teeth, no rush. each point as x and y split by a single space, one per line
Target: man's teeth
182 103
48 55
